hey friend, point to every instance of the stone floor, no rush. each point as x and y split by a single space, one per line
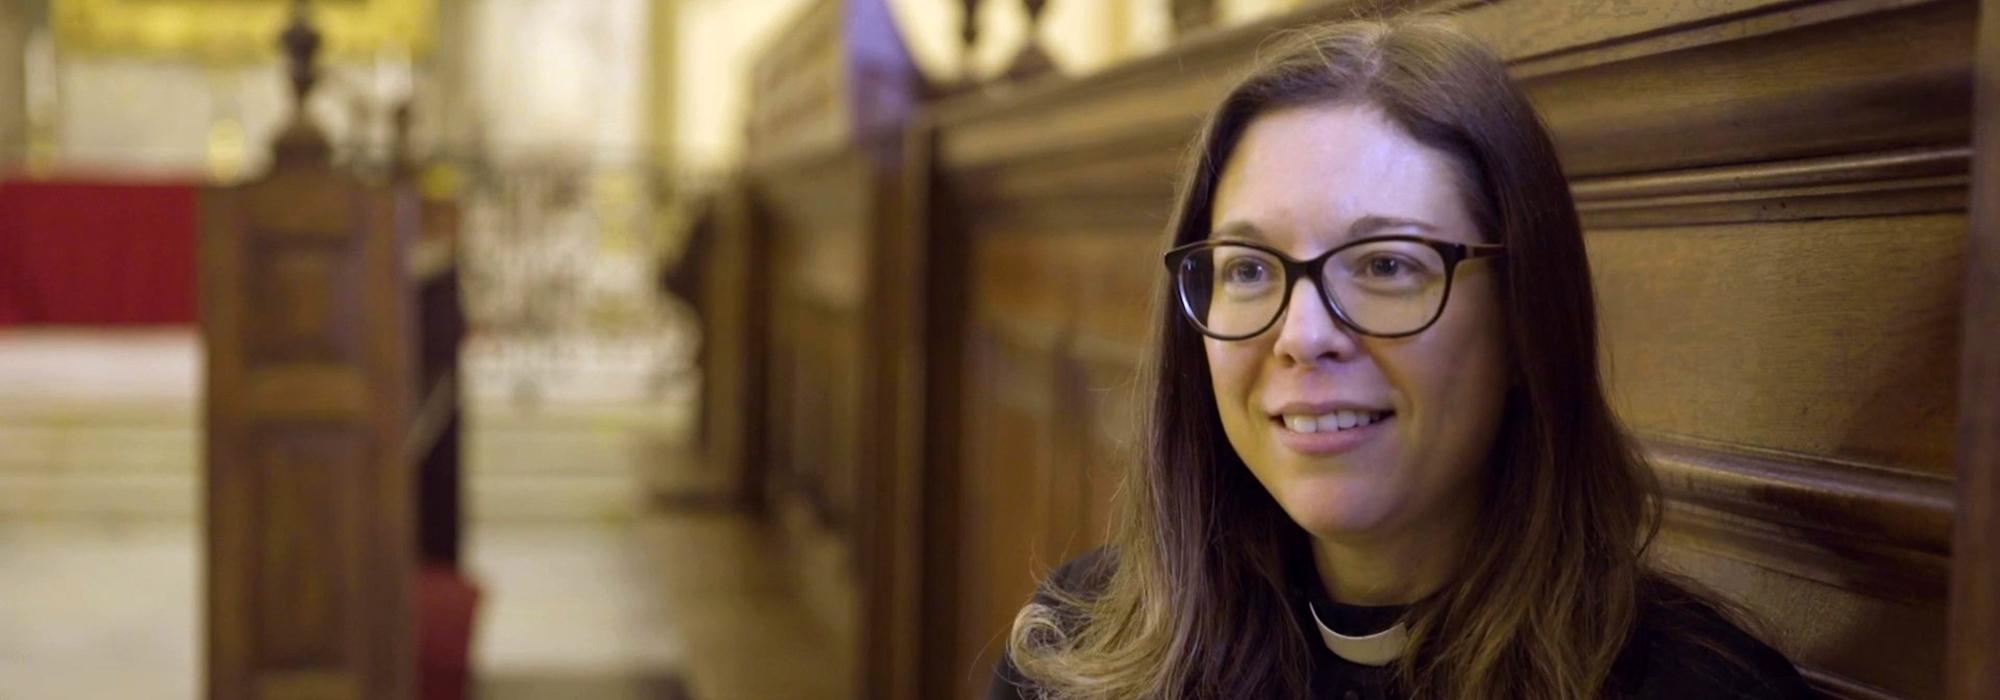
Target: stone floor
588 594
603 610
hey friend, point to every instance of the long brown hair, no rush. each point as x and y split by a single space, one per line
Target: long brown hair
1193 602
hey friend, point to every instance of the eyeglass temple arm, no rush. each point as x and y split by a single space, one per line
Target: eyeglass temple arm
1484 250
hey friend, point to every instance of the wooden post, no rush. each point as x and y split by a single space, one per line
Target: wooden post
308 327
1972 666
1191 16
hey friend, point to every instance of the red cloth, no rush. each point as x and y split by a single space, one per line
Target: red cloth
97 253
447 603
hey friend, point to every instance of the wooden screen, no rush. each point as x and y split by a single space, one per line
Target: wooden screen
1775 202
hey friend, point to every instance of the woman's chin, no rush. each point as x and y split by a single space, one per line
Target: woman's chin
1328 509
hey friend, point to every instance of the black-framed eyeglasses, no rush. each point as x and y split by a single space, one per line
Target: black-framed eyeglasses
1382 286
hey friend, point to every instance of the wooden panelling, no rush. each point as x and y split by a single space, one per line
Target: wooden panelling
304 301
307 588
1007 454
1912 181
1836 635
735 324
811 260
1774 193
1720 332
307 685
1889 79
311 505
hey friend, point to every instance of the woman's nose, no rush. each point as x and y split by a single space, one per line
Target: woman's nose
1308 332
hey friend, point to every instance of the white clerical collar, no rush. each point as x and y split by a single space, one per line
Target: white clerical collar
1376 649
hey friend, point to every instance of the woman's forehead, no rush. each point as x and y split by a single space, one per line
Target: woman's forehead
1335 170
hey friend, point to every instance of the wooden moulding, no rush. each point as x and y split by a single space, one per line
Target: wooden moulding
1562 60
1907 509
1838 688
1102 151
1058 115
1891 79
306 392
1851 526
1906 181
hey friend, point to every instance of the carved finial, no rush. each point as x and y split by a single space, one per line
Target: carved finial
1192 15
301 44
969 29
1032 60
971 33
302 140
401 164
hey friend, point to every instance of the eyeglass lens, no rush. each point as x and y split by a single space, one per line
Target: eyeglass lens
1386 287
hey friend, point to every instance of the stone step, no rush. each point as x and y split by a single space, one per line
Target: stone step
98 449
566 497
98 497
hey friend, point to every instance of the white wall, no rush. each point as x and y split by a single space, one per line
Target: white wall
136 117
13 72
567 77
559 78
717 42
539 78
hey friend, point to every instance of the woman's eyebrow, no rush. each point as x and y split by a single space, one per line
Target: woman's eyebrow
1240 230
1361 227
1372 223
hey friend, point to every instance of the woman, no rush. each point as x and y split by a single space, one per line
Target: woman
1380 462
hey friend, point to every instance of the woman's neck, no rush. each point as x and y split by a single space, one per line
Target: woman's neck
1394 569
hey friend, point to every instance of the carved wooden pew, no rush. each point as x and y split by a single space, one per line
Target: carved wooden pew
331 320
1775 197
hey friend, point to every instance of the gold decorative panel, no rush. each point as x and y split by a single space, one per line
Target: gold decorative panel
237 31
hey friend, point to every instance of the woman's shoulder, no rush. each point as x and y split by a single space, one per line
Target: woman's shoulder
1069 586
1083 577
1086 574
1687 647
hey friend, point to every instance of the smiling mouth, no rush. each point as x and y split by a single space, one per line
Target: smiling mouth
1337 421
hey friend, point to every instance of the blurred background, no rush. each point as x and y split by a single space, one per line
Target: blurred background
775 348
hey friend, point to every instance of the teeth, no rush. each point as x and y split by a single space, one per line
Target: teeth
1337 420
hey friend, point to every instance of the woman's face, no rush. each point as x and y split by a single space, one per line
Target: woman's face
1303 181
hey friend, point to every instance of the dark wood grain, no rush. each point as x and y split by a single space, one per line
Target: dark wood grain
1832 337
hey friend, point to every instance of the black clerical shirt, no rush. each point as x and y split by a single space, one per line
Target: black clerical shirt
1663 661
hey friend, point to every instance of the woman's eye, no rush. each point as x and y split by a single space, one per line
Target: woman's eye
1386 266
1244 271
